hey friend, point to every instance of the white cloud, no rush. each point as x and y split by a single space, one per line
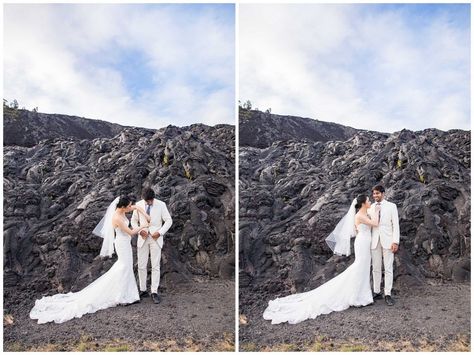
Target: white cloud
66 59
355 65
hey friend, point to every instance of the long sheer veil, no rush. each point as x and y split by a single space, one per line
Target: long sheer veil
105 230
340 238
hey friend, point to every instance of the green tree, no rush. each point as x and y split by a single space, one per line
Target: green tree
247 105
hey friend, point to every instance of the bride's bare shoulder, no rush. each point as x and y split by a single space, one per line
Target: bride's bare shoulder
115 219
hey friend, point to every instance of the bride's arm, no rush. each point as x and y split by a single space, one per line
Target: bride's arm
368 221
142 211
124 227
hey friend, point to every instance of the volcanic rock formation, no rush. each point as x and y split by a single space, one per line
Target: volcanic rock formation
293 193
259 129
28 128
56 191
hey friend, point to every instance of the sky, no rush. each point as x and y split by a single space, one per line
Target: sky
380 67
145 65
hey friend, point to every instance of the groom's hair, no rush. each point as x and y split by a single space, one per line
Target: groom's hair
148 194
378 188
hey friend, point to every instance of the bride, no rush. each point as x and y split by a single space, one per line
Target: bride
116 286
350 288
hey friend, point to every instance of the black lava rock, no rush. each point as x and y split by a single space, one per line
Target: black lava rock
294 191
57 190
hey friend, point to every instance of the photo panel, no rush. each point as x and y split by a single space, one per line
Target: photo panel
354 177
119 177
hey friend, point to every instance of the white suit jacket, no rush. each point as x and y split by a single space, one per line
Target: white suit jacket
388 230
160 220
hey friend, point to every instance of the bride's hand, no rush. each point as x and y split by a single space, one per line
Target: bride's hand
137 230
142 211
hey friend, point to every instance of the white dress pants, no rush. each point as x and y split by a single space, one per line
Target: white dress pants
377 254
149 247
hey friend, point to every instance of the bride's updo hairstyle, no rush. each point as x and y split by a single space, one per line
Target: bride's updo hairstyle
360 201
124 201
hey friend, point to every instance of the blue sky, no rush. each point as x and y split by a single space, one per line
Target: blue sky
423 14
374 66
146 65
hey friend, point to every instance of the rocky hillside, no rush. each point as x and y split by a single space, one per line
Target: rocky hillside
259 129
28 128
293 193
56 191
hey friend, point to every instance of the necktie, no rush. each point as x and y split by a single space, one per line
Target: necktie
148 208
378 204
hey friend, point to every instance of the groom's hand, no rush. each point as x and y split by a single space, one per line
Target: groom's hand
155 235
143 234
394 247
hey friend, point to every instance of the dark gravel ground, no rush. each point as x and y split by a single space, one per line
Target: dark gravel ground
433 317
197 316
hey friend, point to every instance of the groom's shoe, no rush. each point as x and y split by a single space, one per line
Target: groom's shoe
389 300
155 298
377 296
143 294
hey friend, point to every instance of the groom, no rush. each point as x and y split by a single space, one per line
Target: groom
150 240
385 240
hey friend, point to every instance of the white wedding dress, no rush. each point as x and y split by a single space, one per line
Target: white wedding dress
116 286
350 288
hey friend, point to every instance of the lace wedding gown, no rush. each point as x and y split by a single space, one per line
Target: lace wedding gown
116 286
350 288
